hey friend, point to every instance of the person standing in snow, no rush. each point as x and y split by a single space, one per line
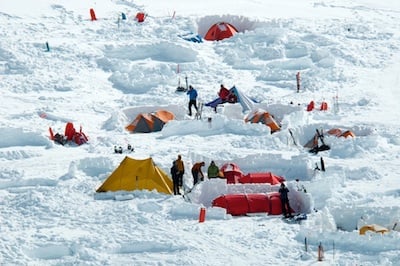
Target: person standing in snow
192 99
213 170
283 191
196 172
175 179
180 171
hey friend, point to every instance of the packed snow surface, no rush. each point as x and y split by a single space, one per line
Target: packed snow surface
58 66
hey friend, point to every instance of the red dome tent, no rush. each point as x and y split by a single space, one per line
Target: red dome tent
232 173
220 31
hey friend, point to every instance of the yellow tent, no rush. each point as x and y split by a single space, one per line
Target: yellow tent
374 228
134 174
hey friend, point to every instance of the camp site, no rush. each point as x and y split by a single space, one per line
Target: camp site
284 114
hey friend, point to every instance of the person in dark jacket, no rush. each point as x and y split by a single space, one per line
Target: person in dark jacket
192 99
175 179
283 191
180 171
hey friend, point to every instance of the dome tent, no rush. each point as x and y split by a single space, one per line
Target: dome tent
263 117
137 174
220 31
150 122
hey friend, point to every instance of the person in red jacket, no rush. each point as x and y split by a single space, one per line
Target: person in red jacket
197 172
223 93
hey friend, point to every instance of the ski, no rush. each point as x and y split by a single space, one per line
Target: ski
322 165
186 198
323 147
199 111
291 134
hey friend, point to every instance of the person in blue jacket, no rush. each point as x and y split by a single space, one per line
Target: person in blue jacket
192 99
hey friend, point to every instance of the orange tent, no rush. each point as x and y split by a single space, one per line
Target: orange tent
348 133
150 122
264 118
339 133
374 228
220 31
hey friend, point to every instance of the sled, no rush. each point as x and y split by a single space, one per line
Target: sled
295 218
50 116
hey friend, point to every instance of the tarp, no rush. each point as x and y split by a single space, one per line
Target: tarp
150 122
246 103
133 174
192 37
220 31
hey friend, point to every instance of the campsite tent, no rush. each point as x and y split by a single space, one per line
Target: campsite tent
140 16
134 174
373 228
313 142
263 117
268 177
340 133
150 122
232 173
220 31
242 204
